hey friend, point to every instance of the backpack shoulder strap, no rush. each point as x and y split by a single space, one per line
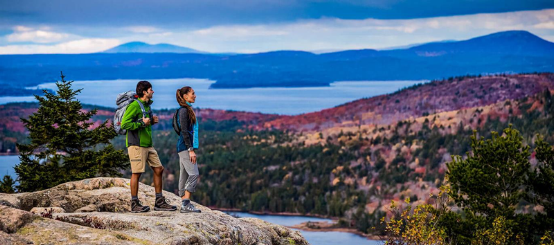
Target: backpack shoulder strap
175 122
179 117
142 108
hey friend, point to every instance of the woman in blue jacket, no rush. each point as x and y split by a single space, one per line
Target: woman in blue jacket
186 145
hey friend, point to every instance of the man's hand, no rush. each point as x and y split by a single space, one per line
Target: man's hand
156 119
192 157
146 121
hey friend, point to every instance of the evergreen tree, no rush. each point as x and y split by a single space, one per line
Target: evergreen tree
6 185
542 178
494 181
491 181
64 146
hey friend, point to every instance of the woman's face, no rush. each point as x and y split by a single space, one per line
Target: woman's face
190 96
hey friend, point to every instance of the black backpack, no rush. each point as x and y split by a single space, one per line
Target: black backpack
175 123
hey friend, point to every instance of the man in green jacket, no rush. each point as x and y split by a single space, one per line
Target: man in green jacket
139 146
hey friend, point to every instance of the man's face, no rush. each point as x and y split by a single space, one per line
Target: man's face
149 93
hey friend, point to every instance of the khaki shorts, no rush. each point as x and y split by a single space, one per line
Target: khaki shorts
139 156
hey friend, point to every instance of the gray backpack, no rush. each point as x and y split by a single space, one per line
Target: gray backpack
123 100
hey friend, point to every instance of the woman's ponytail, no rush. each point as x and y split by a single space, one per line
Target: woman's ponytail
182 102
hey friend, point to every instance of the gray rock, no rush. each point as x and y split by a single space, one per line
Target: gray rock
38 230
12 219
96 211
13 239
42 210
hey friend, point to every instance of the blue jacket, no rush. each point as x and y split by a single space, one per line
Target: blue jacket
189 133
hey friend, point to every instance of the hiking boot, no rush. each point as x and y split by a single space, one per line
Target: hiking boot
163 205
136 207
189 208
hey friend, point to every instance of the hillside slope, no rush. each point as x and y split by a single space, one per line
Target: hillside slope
437 96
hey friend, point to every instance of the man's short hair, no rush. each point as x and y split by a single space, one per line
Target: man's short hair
142 86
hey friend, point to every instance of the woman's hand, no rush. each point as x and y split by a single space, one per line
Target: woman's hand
192 157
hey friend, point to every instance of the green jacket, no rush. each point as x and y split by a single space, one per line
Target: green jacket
137 133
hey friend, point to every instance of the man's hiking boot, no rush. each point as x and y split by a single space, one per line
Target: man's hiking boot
136 207
163 205
189 208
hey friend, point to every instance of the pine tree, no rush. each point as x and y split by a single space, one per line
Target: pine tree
491 180
543 177
6 185
494 181
63 144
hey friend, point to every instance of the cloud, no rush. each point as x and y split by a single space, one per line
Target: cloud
240 31
335 34
324 33
43 35
37 37
194 14
545 25
72 47
22 28
160 34
143 29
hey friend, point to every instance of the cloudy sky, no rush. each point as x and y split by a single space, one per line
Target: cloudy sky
56 26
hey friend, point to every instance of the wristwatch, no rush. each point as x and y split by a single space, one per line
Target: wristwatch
190 149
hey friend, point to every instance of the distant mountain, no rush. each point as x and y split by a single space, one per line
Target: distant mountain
414 45
503 52
508 43
504 43
351 54
140 47
323 51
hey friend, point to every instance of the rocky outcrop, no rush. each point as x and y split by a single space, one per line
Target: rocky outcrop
96 211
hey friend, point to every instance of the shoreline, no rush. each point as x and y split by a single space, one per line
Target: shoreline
326 227
323 226
274 213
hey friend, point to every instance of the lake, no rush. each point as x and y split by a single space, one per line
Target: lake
285 101
313 237
6 166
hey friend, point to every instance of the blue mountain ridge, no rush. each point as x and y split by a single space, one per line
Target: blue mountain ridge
503 52
141 47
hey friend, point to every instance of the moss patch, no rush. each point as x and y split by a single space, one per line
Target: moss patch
26 231
291 241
